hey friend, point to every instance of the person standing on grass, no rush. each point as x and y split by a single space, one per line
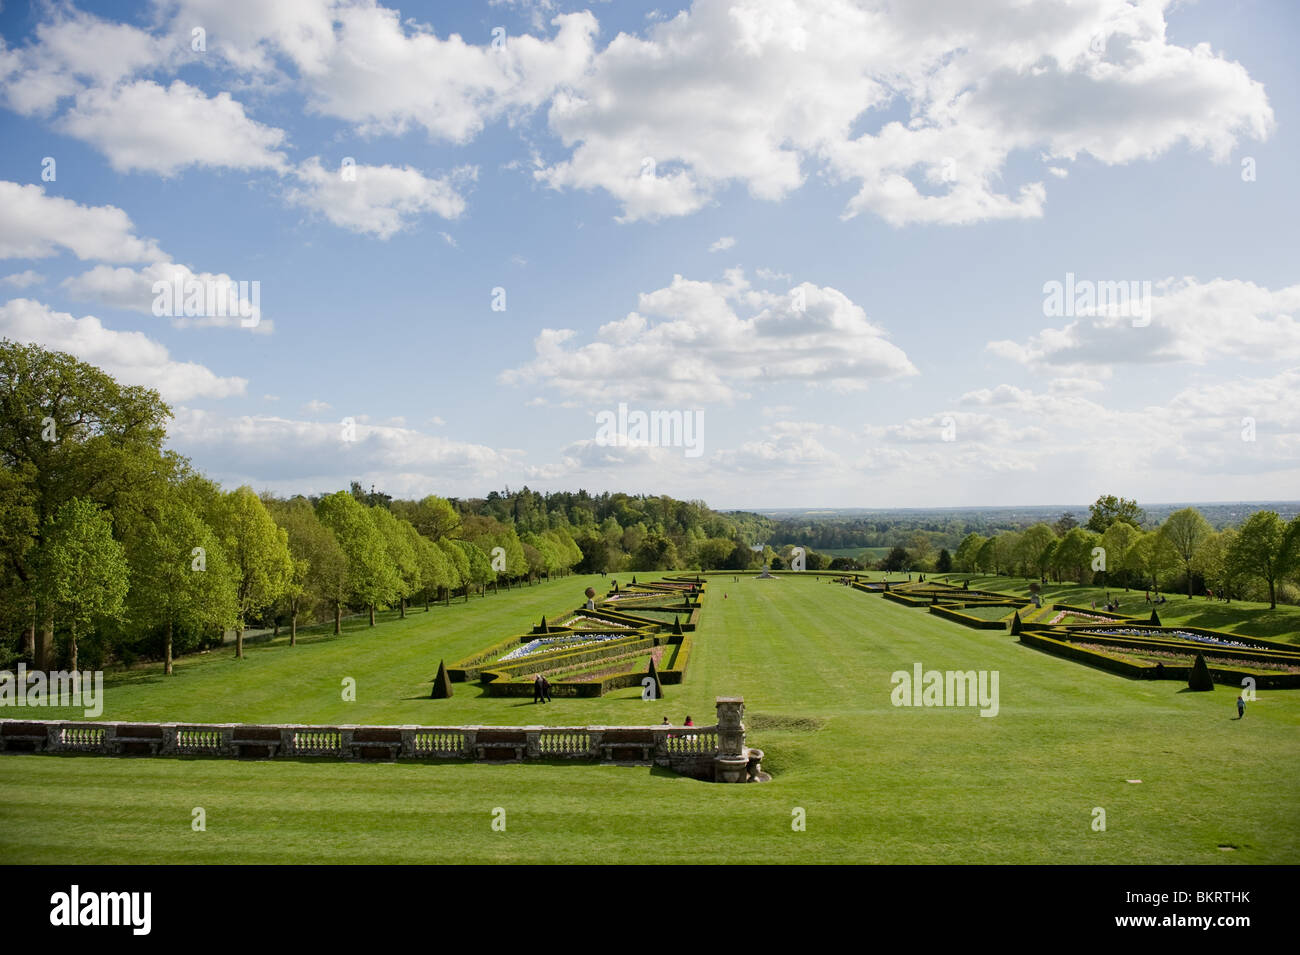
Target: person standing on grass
538 693
546 690
1241 707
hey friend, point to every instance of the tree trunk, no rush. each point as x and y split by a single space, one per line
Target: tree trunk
167 660
72 645
293 629
45 641
1272 600
372 615
29 638
338 617
403 608
426 601
277 627
239 641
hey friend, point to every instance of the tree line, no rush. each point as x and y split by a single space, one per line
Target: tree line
1259 560
115 548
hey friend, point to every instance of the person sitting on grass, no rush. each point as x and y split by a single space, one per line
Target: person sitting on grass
689 722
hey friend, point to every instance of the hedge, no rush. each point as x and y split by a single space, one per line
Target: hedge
1242 653
1222 675
552 660
967 621
676 673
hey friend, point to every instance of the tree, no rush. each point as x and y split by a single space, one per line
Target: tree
897 559
67 430
401 554
371 575
1110 509
81 571
457 564
180 577
968 552
1184 531
944 563
1073 554
1065 523
986 558
259 556
1116 542
1258 551
320 567
1035 548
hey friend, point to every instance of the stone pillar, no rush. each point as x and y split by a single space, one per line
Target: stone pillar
345 743
53 739
170 746
408 741
732 762
731 731
533 742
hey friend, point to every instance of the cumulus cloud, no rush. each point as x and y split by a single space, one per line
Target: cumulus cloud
1190 321
726 242
377 200
761 92
133 290
150 128
131 357
34 225
299 455
23 279
713 340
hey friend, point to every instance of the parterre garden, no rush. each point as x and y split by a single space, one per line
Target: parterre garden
1180 778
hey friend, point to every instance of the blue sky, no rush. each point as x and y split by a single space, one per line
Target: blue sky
836 261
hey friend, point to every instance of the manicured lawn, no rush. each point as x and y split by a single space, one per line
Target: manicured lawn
813 660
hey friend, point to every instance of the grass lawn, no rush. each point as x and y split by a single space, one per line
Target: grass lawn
813 660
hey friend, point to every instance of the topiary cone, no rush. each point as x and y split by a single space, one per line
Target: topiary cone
441 684
1016 625
1155 619
1200 678
653 673
544 628
677 626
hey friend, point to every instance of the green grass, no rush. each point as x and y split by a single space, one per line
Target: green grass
813 661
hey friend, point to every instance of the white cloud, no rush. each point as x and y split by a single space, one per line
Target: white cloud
715 339
34 225
1190 321
133 289
312 456
146 127
726 242
377 200
761 92
23 279
69 52
132 357
316 406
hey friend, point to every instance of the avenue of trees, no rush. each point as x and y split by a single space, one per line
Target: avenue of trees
114 548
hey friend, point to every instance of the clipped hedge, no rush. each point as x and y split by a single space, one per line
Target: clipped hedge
537 662
1151 671
676 672
966 620
1290 655
903 599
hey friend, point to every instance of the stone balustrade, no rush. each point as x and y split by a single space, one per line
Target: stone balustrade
716 753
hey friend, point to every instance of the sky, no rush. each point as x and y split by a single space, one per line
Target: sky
829 253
